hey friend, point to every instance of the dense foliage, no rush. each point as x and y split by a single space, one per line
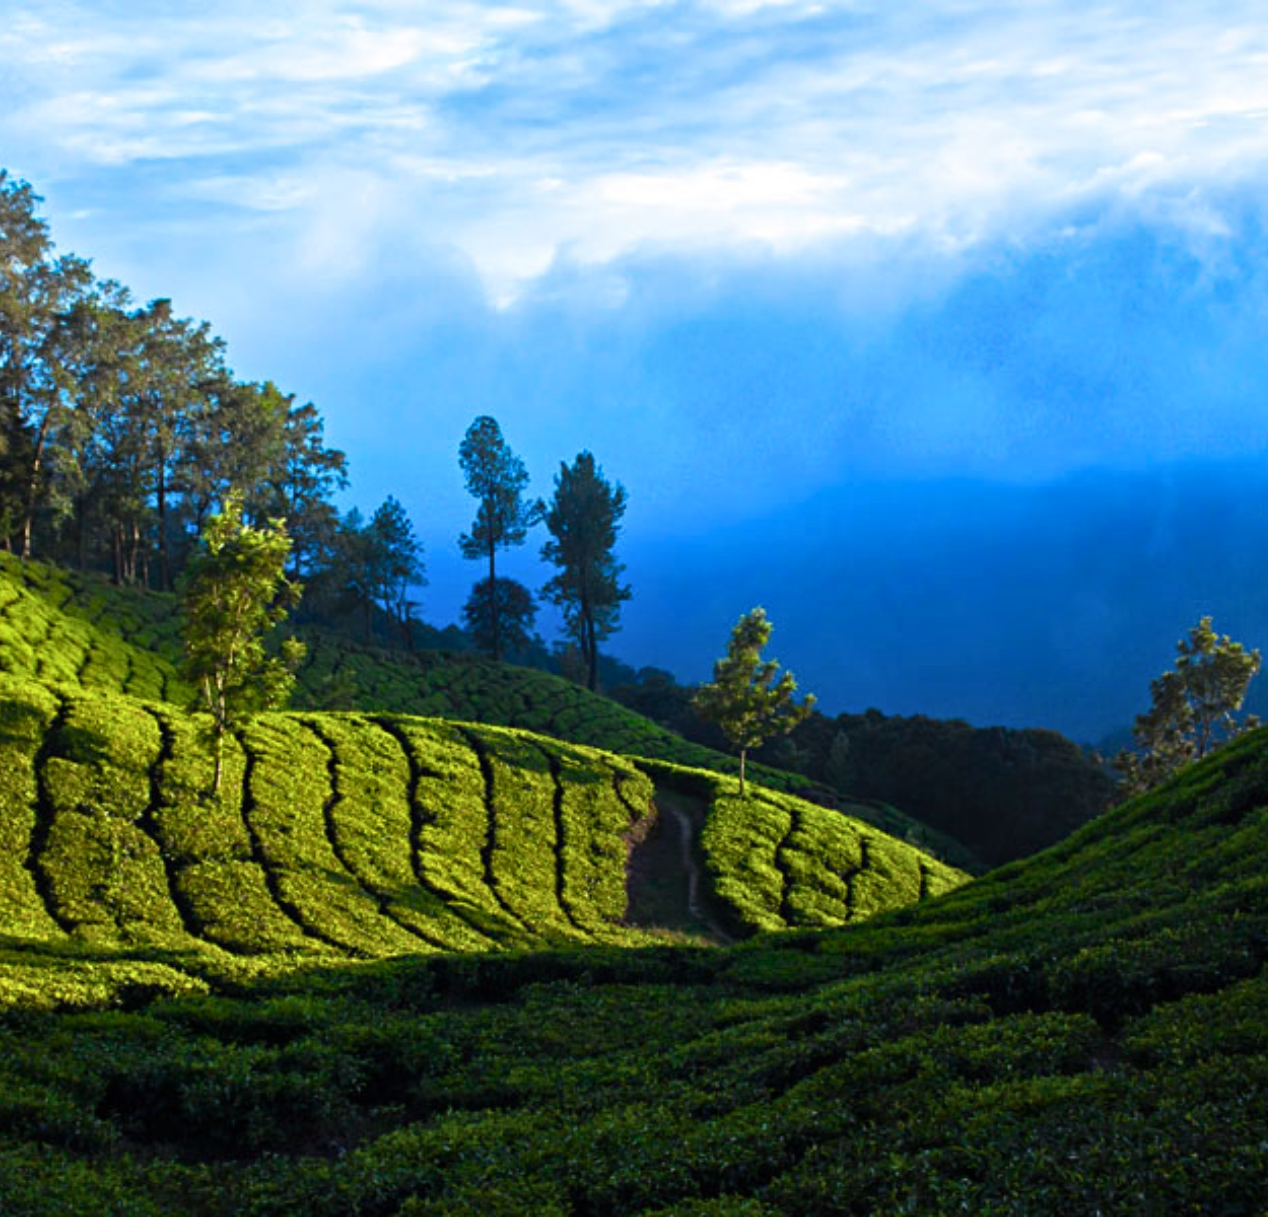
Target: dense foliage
1194 707
123 429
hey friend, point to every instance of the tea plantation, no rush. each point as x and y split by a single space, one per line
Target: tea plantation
57 619
396 969
1083 1032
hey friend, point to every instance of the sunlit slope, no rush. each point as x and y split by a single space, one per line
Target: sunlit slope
1082 1032
361 836
71 628
74 630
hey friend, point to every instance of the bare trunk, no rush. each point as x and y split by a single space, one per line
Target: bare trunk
164 570
494 615
33 485
743 758
220 762
592 650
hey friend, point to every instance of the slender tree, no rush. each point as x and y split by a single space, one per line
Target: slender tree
234 592
746 697
1194 710
496 477
584 519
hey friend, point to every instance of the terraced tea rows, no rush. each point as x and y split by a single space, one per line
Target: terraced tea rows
1083 1032
352 836
81 615
58 633
776 862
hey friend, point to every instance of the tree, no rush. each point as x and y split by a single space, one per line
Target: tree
378 562
497 478
584 519
37 294
1194 710
745 698
234 591
506 602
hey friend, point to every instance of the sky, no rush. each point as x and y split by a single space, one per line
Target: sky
938 329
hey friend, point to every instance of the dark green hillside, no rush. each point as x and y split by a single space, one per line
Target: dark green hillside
101 636
1084 1032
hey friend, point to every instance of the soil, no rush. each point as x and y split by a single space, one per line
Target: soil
665 884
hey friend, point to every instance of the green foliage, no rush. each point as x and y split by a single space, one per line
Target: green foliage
744 697
233 593
1194 707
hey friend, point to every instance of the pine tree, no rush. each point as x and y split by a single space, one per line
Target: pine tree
497 478
745 697
584 519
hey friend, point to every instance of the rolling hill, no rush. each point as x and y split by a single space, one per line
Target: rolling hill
1081 1032
75 628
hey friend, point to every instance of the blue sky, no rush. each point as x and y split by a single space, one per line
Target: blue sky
884 278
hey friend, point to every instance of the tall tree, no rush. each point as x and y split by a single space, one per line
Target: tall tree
1195 707
584 519
399 560
496 477
37 294
747 698
378 562
303 482
234 592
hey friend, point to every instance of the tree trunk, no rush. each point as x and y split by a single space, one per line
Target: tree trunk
220 761
592 651
33 485
743 757
494 615
165 580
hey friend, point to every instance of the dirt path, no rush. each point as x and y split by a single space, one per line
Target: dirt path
666 887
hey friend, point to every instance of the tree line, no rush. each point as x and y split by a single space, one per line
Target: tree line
124 432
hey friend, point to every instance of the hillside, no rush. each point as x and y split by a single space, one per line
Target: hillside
343 836
80 629
1082 1032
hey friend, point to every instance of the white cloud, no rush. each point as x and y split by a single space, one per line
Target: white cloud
521 132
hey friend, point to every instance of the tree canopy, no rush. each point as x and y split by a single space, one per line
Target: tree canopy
1194 707
747 697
